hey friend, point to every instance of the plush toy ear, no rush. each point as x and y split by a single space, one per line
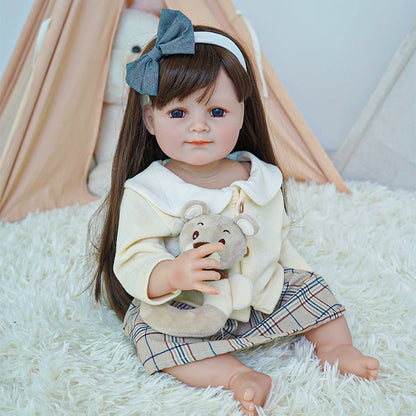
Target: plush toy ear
194 209
247 224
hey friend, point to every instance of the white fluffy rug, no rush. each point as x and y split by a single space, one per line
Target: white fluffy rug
61 354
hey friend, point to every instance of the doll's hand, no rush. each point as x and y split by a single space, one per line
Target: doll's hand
192 267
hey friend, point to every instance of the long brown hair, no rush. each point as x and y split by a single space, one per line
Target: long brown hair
180 76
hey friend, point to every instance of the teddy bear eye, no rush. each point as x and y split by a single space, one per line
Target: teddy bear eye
195 235
222 241
136 49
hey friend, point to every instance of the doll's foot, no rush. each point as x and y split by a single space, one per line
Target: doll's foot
351 361
250 389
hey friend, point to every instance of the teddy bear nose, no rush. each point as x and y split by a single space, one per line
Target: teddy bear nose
200 243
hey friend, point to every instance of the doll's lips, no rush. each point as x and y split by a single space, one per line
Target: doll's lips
198 142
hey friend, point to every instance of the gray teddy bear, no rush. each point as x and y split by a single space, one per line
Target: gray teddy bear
236 290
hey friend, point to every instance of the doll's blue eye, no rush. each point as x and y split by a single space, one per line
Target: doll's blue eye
177 113
217 112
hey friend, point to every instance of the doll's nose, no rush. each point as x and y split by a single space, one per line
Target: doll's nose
199 125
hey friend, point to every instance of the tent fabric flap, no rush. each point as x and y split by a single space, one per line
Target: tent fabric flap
51 106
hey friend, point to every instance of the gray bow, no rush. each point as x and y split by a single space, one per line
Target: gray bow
175 35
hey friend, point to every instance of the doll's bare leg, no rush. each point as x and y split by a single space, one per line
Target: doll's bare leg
250 388
334 343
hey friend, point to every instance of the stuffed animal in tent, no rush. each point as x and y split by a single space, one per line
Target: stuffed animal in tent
134 31
236 290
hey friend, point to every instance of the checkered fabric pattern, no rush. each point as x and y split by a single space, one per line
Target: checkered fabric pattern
306 302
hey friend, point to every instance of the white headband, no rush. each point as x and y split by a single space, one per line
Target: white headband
221 40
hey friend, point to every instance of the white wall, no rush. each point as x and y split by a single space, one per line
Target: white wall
329 54
13 15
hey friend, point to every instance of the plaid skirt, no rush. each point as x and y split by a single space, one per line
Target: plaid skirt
306 302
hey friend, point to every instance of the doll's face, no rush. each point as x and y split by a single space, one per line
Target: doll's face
198 133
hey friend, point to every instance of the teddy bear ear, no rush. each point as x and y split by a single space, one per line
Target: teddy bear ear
194 209
247 224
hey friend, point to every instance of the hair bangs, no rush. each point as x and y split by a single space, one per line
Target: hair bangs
182 75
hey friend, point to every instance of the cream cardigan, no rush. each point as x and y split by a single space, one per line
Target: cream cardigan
150 223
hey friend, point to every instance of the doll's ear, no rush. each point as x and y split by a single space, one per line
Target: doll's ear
242 115
247 224
148 118
193 209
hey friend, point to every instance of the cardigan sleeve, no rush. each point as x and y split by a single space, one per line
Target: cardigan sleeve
140 246
289 257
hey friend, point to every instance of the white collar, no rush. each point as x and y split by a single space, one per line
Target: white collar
170 193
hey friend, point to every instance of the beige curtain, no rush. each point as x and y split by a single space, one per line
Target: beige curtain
50 106
298 151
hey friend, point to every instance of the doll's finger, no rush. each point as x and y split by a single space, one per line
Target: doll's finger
209 263
209 275
209 290
209 248
205 276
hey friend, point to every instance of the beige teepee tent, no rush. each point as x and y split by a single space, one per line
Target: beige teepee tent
51 98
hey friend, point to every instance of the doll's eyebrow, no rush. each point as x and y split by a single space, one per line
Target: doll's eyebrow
200 223
226 231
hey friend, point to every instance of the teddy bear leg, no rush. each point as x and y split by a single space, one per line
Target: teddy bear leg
222 301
